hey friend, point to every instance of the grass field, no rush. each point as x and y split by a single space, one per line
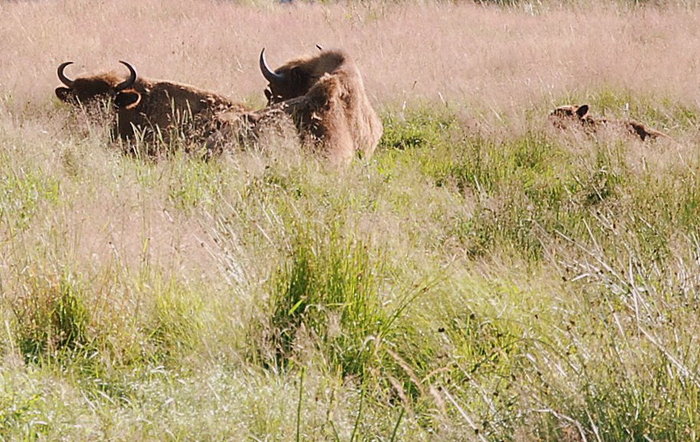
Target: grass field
482 277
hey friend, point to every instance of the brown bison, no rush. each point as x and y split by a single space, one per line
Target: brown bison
325 96
151 109
89 88
567 116
251 129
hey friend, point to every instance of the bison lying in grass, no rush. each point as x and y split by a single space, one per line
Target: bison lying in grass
150 109
325 96
567 116
88 88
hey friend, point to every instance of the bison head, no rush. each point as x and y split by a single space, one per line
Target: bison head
296 77
86 89
563 115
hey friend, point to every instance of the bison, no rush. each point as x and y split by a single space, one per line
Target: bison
325 96
162 106
90 88
564 117
149 109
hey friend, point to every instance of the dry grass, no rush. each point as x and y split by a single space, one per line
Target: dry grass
530 284
463 54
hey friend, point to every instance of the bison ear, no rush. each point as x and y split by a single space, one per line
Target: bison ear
63 93
582 110
128 99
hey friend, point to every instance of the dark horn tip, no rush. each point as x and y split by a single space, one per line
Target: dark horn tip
127 64
129 81
61 76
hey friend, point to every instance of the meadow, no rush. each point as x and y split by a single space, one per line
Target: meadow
483 276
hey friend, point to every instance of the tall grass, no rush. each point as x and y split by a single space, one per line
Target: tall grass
331 295
482 277
495 63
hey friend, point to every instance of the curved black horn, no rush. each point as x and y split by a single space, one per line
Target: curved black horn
129 81
319 47
269 75
65 80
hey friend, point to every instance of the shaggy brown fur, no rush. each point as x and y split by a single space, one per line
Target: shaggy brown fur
159 108
326 97
153 108
564 117
234 129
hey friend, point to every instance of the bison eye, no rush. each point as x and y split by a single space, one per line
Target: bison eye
268 95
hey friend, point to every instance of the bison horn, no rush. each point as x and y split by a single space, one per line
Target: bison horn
65 80
129 81
271 76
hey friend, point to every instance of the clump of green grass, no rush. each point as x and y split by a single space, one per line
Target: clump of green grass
52 318
327 293
327 304
174 327
422 126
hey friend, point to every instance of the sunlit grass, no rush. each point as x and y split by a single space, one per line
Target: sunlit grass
482 277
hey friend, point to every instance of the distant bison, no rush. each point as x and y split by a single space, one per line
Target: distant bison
564 117
325 96
152 109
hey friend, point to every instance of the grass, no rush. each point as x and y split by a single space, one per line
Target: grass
482 277
502 287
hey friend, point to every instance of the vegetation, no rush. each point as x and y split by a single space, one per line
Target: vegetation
482 277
